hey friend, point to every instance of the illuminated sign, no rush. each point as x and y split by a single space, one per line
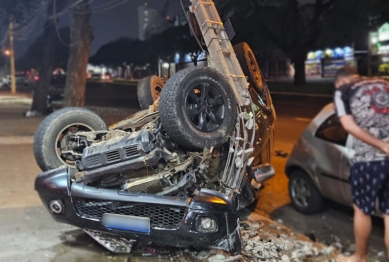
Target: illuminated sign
383 32
331 53
383 49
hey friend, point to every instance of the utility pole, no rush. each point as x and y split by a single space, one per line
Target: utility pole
12 55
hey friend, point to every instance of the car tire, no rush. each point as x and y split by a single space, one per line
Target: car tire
149 90
51 135
304 195
198 108
252 71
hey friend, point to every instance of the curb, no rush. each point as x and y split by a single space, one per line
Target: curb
16 140
13 100
300 94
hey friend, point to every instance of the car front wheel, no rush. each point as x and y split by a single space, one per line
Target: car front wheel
53 146
303 193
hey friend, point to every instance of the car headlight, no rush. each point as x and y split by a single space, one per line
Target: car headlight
206 224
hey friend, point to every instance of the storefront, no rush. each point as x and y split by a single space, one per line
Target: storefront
380 51
325 63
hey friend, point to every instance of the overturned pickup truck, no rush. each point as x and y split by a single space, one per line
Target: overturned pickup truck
175 173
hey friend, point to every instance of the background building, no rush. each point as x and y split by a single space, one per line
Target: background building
149 22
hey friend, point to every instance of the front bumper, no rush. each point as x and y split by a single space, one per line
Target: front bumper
174 221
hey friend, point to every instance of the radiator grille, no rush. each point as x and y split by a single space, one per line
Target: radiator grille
161 216
113 156
94 160
132 151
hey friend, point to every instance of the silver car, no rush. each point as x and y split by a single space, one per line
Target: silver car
20 79
318 166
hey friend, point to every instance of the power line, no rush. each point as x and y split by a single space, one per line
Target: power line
24 31
105 7
56 26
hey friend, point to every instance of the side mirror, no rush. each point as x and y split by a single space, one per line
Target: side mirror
263 173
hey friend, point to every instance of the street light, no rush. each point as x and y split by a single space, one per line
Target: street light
7 52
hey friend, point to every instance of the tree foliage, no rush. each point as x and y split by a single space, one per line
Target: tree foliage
139 53
33 57
297 28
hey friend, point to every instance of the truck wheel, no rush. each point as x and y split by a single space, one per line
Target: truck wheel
52 147
149 90
305 197
250 68
198 108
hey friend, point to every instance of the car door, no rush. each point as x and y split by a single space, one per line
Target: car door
332 153
348 153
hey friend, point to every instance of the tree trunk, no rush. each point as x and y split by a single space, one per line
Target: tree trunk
81 37
41 88
299 68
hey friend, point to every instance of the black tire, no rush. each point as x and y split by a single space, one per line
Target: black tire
198 108
51 135
250 68
304 195
149 90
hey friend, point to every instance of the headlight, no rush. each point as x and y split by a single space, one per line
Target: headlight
206 224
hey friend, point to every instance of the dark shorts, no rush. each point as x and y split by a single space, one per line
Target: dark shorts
369 181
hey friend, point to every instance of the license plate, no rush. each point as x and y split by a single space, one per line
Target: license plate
128 223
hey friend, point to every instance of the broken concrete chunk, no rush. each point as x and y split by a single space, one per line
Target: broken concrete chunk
255 225
248 247
216 258
327 251
288 246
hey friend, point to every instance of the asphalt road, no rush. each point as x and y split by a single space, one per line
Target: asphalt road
29 234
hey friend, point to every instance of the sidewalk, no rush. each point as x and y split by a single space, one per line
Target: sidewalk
15 128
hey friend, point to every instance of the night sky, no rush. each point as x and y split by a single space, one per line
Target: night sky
108 25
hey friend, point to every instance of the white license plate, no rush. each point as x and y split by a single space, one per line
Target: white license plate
128 223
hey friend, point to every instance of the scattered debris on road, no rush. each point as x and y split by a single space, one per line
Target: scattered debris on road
262 240
281 153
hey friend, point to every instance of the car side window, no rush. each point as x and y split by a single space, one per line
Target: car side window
332 130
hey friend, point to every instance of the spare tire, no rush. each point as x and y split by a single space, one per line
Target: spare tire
52 136
149 90
198 108
250 68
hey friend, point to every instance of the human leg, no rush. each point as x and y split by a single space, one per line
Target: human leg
386 220
362 230
364 188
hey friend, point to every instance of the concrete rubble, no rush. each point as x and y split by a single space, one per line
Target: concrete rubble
268 241
265 240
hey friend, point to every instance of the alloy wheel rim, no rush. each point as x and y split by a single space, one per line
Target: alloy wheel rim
205 107
301 192
258 77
